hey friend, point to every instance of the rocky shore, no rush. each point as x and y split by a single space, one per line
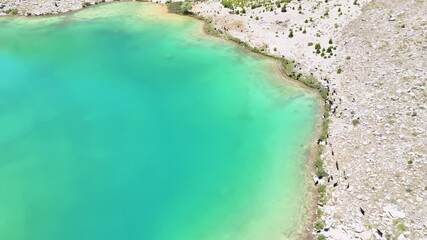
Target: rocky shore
378 131
372 56
45 7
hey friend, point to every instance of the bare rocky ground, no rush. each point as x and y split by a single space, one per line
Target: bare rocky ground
379 129
44 7
376 153
376 71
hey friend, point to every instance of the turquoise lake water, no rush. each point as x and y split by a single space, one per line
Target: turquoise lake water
122 122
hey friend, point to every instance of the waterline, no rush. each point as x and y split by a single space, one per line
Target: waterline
116 124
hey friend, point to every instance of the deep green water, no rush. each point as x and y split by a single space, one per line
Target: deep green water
118 122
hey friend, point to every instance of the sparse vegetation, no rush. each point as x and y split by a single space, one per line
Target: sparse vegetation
320 225
355 122
283 8
291 33
317 47
182 8
401 227
269 5
322 194
321 237
320 170
227 4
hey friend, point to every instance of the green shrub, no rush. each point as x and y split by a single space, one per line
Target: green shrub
321 237
322 190
227 4
355 122
317 47
339 70
283 8
288 67
14 11
186 7
321 172
320 225
322 194
182 8
401 227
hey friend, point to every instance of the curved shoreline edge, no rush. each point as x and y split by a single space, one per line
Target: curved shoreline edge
288 72
316 165
377 130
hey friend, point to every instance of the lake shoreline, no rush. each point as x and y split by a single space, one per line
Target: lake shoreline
340 43
207 30
315 150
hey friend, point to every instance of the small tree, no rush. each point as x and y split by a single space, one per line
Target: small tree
284 8
317 47
186 7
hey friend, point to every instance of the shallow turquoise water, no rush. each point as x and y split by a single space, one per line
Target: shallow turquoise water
118 122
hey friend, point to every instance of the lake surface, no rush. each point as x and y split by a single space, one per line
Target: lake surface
123 122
